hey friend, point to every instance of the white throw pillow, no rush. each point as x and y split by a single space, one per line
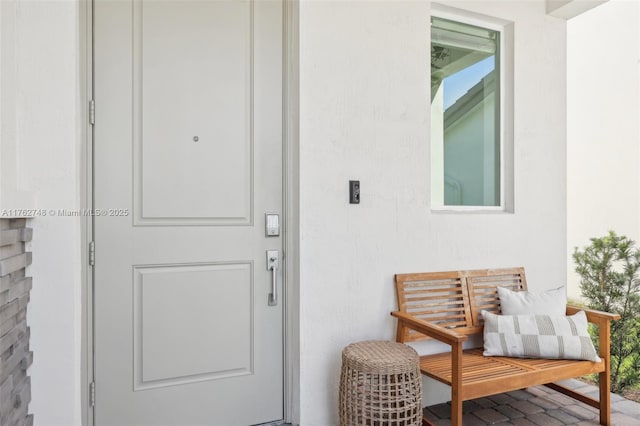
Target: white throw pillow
550 302
538 336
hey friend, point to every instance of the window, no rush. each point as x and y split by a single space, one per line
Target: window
466 128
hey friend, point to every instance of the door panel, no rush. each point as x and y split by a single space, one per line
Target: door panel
207 294
188 140
208 74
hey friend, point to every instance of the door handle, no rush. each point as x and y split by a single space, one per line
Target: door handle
272 265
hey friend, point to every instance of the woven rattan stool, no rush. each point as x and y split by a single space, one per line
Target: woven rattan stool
380 384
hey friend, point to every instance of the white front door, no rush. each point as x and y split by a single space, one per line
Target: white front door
187 161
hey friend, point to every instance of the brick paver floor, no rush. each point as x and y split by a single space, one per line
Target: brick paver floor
540 406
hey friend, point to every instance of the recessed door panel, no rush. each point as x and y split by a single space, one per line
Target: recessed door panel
177 313
192 94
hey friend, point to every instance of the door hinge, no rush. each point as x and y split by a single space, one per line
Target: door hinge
92 253
92 112
92 394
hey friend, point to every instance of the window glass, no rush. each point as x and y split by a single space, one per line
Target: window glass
465 114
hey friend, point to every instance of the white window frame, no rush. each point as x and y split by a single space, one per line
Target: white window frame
506 29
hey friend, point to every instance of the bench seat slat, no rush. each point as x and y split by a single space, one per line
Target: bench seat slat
480 373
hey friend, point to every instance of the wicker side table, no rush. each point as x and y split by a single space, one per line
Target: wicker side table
380 384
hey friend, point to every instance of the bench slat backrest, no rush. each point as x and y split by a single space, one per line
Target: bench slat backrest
453 299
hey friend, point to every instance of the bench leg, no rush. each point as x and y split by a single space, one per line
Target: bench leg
456 384
605 377
456 412
605 398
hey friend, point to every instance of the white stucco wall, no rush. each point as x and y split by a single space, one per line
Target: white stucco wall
14 198
603 136
44 142
364 115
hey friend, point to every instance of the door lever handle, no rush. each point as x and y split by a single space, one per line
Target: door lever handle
272 265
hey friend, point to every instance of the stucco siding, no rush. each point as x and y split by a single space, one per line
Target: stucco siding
603 85
365 115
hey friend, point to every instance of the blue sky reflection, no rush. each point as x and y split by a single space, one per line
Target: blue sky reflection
456 85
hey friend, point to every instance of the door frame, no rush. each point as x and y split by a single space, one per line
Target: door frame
290 209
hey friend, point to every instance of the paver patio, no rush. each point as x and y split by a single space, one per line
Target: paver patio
540 406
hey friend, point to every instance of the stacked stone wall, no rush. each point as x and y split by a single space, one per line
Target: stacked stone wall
15 356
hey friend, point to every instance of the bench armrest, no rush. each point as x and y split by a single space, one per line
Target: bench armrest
593 316
432 330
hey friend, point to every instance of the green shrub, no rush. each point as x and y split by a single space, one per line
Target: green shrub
609 281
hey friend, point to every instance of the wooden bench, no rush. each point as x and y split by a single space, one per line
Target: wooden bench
446 306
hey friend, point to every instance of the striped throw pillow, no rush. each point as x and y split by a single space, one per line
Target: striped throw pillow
538 336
